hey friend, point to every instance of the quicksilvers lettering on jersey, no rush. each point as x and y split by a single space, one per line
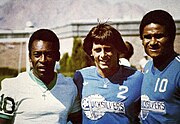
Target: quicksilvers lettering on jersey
95 106
154 106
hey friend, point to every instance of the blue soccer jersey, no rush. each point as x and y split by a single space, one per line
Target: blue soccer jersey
160 95
112 100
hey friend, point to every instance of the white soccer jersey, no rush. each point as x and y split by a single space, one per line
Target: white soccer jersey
30 103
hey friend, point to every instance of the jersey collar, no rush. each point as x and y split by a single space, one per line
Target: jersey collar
41 83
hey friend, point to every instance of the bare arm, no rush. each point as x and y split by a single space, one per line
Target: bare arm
5 121
75 118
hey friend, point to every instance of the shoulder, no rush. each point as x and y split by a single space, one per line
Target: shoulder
87 69
129 72
7 83
148 65
14 81
177 59
81 74
65 81
174 65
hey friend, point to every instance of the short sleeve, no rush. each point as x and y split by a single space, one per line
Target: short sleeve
78 80
7 102
76 105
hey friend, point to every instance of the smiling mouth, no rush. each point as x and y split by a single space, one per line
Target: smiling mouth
42 68
155 48
103 62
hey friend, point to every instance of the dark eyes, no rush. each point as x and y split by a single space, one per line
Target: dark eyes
97 50
156 36
105 50
38 54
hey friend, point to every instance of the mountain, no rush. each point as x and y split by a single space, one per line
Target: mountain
14 14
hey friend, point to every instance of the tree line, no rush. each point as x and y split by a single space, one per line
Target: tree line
77 60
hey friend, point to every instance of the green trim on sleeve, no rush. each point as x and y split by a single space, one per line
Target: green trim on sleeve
5 116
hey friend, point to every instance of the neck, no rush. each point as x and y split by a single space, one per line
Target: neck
47 79
161 62
108 72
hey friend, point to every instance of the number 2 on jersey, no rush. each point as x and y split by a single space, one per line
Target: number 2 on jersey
123 90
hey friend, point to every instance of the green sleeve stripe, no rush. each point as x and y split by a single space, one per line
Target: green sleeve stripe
5 116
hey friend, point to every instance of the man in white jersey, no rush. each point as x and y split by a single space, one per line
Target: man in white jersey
40 96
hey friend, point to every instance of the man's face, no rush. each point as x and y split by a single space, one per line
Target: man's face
155 41
43 58
105 56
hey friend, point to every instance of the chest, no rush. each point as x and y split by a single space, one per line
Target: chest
160 86
36 102
110 91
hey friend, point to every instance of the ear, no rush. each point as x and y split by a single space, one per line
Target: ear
121 55
142 41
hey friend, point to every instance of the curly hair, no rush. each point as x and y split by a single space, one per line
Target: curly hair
159 17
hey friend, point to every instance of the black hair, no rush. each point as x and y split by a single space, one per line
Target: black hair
45 35
159 17
130 52
103 33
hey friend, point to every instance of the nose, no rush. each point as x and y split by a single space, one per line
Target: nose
103 53
42 58
153 41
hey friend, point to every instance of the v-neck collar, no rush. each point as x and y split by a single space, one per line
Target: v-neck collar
41 83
